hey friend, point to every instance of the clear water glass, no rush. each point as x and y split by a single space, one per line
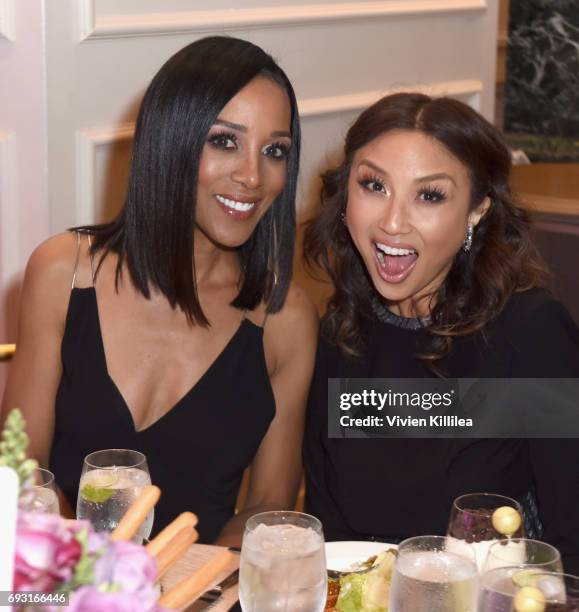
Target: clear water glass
508 589
41 496
520 551
283 564
427 577
110 482
471 525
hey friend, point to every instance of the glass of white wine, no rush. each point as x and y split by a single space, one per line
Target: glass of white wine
110 481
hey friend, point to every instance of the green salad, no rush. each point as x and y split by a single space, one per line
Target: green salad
368 591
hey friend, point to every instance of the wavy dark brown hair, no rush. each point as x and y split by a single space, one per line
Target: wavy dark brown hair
502 260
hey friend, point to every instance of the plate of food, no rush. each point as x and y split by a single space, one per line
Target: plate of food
359 575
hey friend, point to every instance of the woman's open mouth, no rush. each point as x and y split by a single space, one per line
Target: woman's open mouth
394 263
236 207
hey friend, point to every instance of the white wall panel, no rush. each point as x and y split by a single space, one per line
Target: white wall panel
7 27
112 20
103 157
23 158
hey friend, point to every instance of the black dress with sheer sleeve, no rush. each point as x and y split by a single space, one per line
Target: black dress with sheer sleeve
391 489
196 453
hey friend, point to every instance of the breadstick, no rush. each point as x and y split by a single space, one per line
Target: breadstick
136 514
175 548
186 591
185 519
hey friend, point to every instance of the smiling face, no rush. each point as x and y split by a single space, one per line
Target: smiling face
407 214
243 164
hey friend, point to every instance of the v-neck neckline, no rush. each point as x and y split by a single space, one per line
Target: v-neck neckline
187 394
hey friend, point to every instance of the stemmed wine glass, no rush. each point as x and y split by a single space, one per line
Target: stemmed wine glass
478 520
110 481
427 577
283 563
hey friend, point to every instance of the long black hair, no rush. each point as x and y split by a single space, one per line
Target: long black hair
153 233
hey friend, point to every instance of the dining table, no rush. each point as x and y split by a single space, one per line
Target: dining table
195 557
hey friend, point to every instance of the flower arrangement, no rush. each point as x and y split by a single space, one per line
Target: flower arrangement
99 572
55 555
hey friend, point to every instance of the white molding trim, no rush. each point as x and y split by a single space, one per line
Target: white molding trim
469 89
92 26
9 210
87 144
89 141
7 20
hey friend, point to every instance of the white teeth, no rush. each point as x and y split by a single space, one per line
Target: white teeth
234 205
388 250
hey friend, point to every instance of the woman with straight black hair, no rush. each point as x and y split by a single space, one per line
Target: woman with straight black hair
435 275
182 336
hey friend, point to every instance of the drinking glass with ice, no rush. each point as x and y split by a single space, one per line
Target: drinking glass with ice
427 577
283 564
520 551
527 588
41 495
111 480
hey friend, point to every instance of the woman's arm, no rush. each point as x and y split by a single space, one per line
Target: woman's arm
36 368
290 345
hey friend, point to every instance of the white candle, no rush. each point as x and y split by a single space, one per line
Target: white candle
9 493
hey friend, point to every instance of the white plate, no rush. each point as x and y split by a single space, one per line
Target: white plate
342 556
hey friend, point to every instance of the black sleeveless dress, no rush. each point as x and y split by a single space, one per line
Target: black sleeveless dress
196 452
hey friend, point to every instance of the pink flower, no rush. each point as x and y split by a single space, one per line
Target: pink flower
46 552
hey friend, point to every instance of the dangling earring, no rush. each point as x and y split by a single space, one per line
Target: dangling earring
467 244
343 218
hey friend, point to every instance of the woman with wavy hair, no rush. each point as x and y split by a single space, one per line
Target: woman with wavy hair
175 330
435 275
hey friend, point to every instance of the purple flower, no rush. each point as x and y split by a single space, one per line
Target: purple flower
91 599
134 569
46 552
115 576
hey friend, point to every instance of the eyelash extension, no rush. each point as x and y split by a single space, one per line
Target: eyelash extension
218 139
367 180
435 194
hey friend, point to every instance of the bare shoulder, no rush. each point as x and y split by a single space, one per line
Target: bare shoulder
298 310
49 272
54 258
